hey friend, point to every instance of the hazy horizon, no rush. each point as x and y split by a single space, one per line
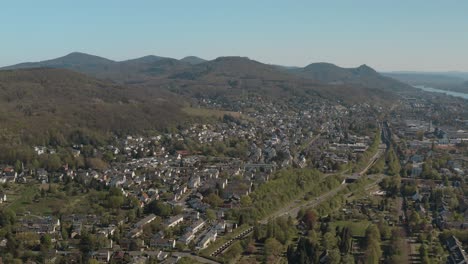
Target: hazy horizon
423 36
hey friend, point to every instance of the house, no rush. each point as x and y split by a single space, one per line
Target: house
102 255
457 253
138 226
175 220
197 226
220 227
416 170
207 239
164 243
187 237
42 225
42 176
10 175
150 218
417 197
194 182
3 197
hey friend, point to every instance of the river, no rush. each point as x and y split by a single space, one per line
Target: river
430 89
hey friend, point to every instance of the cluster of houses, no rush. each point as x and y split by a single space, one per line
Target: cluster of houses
317 134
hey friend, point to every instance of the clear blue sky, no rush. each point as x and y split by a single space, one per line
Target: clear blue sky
428 35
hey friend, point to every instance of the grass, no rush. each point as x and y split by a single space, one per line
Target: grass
357 228
21 198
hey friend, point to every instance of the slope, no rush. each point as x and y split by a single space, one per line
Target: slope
34 102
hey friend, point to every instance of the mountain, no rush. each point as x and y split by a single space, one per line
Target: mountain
156 70
145 60
362 75
129 71
233 78
192 60
70 61
34 102
238 67
229 77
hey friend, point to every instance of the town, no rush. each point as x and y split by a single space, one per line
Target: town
190 193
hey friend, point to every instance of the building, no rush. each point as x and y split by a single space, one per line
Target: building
207 239
175 220
457 253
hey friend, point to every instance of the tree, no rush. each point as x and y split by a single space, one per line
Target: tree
423 254
372 240
18 166
114 201
53 162
213 199
159 208
306 252
96 163
210 214
273 248
87 244
348 259
246 201
310 219
7 217
346 241
393 162
46 242
329 241
334 256
414 221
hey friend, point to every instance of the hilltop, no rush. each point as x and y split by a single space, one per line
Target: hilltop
128 71
192 60
363 76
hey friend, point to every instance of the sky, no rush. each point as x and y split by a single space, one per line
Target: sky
415 35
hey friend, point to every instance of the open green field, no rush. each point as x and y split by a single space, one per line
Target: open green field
24 198
357 228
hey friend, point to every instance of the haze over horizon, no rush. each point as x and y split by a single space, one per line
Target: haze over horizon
393 36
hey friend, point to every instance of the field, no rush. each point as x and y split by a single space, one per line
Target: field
357 229
27 198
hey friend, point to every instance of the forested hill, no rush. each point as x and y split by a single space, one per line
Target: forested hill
156 70
34 102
